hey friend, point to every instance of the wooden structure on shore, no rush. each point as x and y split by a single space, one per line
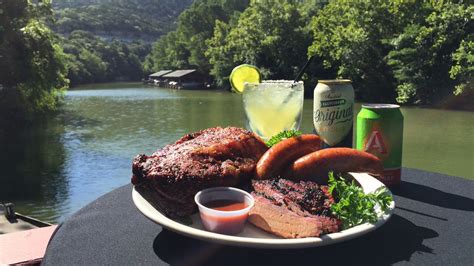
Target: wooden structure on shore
179 79
157 78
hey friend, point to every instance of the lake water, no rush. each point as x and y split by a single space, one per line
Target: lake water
86 151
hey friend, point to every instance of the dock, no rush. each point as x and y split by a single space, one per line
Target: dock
23 239
188 79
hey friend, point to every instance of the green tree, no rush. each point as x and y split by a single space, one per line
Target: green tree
94 65
394 49
269 34
196 25
220 55
351 37
186 47
422 55
462 70
32 69
93 59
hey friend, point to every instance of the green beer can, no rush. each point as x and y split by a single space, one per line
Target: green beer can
380 132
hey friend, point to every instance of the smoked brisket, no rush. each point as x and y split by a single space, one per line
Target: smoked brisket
293 209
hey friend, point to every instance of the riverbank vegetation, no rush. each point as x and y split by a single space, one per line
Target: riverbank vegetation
409 49
32 62
410 52
91 59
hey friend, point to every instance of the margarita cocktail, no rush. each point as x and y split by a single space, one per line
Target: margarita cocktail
273 106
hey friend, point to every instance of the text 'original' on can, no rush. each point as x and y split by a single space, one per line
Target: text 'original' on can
380 132
333 112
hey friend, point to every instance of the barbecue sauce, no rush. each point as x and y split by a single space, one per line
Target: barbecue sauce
226 205
228 222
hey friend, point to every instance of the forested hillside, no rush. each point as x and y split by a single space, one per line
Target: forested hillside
125 20
107 40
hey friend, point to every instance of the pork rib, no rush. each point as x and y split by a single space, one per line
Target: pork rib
208 158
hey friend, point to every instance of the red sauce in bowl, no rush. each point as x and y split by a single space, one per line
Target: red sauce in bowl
224 225
224 210
226 205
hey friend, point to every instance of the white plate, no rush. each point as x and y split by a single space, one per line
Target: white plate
251 236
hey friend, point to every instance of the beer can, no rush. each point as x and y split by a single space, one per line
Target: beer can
380 132
333 112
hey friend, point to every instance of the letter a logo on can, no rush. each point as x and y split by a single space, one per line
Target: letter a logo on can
375 143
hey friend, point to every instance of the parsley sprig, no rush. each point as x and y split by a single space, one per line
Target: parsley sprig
353 206
286 134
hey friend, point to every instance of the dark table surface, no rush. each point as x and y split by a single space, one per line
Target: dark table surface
432 225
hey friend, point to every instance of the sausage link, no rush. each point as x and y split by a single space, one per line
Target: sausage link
316 166
282 154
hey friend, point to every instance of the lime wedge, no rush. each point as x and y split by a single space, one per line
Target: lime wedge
241 74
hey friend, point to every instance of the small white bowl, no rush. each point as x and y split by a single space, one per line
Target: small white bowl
223 222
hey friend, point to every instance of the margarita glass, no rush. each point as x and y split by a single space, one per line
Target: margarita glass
273 106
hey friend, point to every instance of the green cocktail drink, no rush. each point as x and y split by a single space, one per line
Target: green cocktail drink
273 106
380 132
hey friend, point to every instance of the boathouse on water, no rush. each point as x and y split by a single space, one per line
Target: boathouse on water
157 77
179 79
185 79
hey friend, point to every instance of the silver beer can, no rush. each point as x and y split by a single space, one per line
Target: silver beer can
333 112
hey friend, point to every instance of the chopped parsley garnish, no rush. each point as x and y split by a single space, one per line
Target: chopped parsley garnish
353 206
286 134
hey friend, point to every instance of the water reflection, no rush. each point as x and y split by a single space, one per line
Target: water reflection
33 170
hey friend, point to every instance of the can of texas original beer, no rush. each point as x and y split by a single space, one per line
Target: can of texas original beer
333 112
379 131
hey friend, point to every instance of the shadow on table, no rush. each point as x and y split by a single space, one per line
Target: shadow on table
397 240
433 196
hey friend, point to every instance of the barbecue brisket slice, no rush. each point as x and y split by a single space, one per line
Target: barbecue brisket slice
292 209
209 158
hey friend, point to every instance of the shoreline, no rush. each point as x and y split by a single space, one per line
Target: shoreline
452 103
